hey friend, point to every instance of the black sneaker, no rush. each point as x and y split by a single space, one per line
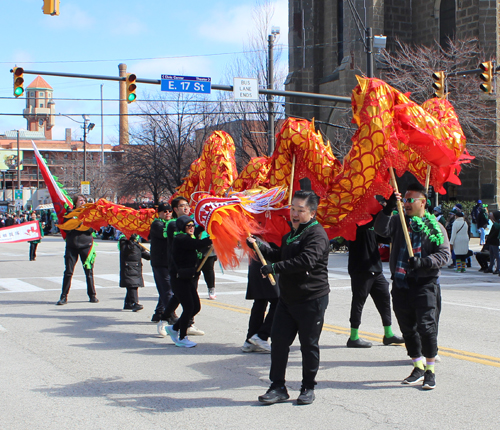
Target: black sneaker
358 343
274 395
137 307
128 306
62 301
416 376
429 380
306 396
156 317
93 299
393 339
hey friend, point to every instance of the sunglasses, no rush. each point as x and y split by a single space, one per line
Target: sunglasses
189 225
413 199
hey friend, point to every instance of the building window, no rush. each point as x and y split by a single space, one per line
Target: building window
447 22
340 32
40 94
41 105
32 94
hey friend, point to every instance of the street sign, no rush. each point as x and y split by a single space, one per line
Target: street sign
245 89
18 194
186 84
85 187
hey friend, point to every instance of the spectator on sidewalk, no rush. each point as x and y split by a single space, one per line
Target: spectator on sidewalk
492 241
459 241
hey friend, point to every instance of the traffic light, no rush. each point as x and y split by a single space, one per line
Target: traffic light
131 87
487 76
438 84
18 81
51 7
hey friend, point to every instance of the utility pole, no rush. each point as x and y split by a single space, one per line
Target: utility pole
18 163
123 128
270 86
85 150
369 52
102 130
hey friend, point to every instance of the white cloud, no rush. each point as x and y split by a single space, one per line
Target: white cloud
71 16
153 69
236 24
21 57
134 27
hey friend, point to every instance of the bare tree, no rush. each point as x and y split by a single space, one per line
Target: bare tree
248 122
102 179
165 144
410 68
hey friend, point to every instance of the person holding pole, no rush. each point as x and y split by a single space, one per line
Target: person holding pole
302 263
184 274
420 247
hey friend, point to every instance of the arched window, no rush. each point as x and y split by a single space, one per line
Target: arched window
447 22
340 32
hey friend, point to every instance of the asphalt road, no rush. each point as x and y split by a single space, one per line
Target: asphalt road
96 366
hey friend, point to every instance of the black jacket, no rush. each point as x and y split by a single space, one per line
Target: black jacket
79 239
159 243
185 248
172 229
302 264
364 255
130 263
493 235
259 287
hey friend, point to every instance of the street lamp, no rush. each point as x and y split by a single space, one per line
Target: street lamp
87 126
275 31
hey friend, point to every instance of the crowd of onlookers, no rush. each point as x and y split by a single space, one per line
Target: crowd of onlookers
46 218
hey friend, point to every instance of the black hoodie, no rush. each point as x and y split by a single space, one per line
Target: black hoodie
184 247
303 268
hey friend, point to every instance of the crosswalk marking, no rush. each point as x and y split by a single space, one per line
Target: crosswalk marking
237 277
13 284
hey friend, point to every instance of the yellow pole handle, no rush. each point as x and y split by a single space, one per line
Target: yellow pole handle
401 213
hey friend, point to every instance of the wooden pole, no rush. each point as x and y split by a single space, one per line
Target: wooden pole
263 261
143 247
401 213
290 194
427 179
205 258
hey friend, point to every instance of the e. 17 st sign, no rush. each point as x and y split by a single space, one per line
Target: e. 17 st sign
186 84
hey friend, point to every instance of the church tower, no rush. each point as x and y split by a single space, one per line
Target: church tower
40 108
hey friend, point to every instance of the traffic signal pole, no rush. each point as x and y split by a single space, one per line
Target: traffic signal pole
328 97
123 125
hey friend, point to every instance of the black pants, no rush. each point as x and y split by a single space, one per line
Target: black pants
132 296
260 323
306 319
417 311
70 259
186 291
483 258
375 285
209 272
167 303
33 246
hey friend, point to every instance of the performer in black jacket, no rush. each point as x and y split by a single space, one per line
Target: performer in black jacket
160 263
79 243
184 277
367 278
131 255
303 281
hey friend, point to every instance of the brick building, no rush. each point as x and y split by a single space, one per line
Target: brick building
64 157
326 52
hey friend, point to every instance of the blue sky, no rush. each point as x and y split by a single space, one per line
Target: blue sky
94 36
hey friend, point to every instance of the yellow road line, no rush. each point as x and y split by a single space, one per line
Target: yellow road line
444 351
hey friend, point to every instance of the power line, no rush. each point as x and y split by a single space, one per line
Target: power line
139 59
